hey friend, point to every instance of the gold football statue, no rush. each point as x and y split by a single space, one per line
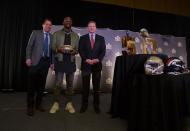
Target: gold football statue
149 45
128 43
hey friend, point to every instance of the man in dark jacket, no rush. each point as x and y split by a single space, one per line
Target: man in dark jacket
92 50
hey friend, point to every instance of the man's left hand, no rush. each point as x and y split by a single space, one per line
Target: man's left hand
95 61
52 66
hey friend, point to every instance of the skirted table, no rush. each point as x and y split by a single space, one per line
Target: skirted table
155 103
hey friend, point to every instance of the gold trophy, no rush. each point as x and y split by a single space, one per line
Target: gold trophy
68 48
128 44
149 45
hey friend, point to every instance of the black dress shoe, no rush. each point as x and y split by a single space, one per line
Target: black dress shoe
97 110
30 111
40 108
83 108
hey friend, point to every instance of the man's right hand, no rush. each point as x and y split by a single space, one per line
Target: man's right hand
61 50
28 62
89 61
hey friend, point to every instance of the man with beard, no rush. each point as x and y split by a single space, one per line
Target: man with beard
64 46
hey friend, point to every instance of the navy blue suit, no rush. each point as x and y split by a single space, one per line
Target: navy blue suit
86 52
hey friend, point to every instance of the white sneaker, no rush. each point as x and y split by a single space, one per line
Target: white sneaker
54 108
69 107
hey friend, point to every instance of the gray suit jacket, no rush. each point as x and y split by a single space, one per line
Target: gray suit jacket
34 49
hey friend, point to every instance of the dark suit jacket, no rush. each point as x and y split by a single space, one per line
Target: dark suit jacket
86 52
34 49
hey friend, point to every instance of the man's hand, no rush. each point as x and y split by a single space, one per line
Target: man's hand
28 62
89 61
52 69
52 66
61 50
95 61
73 52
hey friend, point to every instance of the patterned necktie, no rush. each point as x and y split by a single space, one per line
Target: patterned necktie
46 45
92 41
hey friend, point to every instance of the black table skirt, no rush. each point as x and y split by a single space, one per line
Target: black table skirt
156 103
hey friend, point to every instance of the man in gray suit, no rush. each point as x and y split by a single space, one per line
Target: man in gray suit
38 60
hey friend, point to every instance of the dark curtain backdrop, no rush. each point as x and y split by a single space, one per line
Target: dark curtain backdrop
18 19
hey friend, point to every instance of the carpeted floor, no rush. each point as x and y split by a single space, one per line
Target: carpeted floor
13 117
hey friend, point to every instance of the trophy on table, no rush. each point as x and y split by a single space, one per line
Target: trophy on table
128 45
149 45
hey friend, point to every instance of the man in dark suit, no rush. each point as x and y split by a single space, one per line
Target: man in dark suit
38 59
92 50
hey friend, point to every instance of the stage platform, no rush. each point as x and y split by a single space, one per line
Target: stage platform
13 116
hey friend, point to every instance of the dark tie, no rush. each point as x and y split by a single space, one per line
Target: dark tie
92 41
46 45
